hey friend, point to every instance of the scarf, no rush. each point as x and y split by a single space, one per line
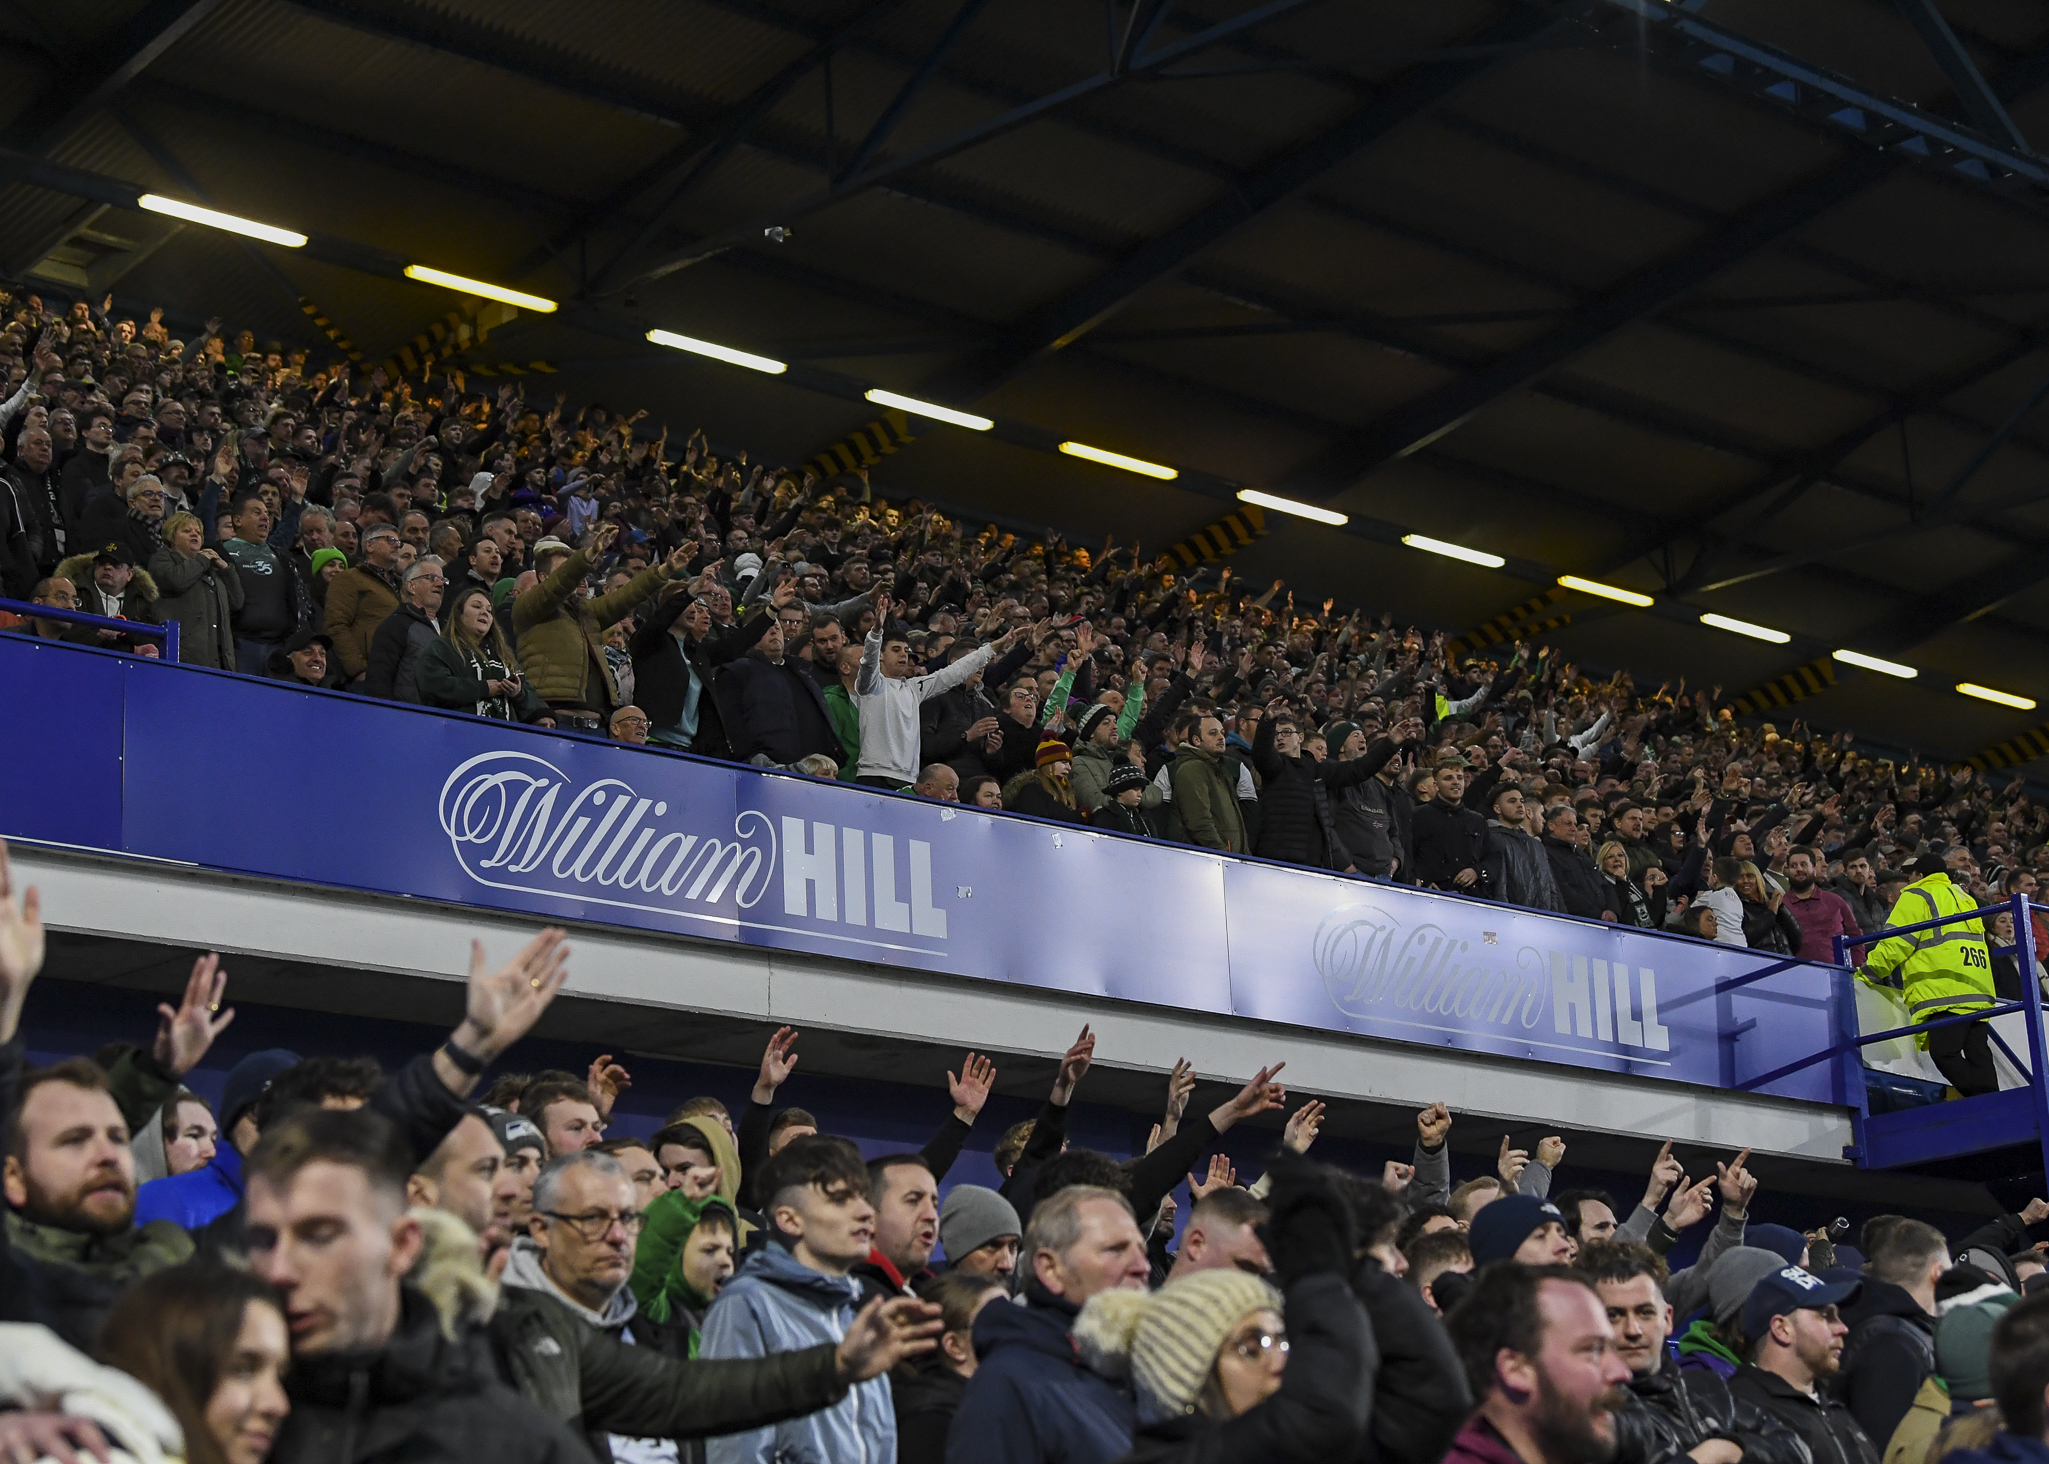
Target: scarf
154 527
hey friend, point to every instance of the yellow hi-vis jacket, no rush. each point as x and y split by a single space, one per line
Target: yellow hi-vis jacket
1947 969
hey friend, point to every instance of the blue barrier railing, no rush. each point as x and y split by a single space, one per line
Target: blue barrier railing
165 635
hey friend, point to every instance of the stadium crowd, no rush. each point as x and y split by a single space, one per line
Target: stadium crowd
335 1265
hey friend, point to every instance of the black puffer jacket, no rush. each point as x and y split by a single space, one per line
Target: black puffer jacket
419 1397
1420 1396
1580 885
1297 814
1671 1412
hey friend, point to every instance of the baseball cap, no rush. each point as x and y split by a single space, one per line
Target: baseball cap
1790 1289
513 1131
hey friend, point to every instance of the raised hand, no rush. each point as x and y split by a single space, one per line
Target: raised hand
1221 1176
778 1061
1690 1205
1180 1086
1738 1184
1510 1165
185 1032
1432 1125
2036 1212
1303 1126
971 1089
606 1081
1261 1094
1073 1066
503 1005
1665 1172
1551 1151
21 946
884 1334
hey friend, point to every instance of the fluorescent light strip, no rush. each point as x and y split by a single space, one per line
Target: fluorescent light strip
1744 627
1872 663
192 213
1289 505
933 410
2002 698
1453 551
726 354
1606 592
1118 460
427 275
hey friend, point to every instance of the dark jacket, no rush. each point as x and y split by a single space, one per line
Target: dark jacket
1635 905
1297 809
662 664
1420 1396
1032 1400
1206 800
1580 886
395 653
41 517
925 1402
1824 1424
1118 819
598 1384
776 710
1766 929
203 598
419 1397
2005 1448
1868 906
1671 1412
1321 1409
1449 837
1889 1353
454 676
1514 870
1371 819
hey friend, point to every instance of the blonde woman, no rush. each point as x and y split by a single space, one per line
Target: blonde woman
200 591
470 668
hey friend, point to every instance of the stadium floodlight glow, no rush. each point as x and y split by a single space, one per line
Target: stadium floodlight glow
1453 551
717 352
427 275
933 410
2002 698
1872 663
1744 627
1111 459
1289 505
192 213
1606 592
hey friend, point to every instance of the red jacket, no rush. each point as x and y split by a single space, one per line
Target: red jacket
1822 916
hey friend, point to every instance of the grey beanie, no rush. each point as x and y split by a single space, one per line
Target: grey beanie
1735 1274
972 1217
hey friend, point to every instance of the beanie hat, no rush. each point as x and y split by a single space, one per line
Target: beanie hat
746 566
248 1078
1963 1346
1336 733
1053 750
1125 776
1090 720
514 1131
1783 1240
1502 1225
322 557
973 1216
1929 864
1735 1276
1167 1341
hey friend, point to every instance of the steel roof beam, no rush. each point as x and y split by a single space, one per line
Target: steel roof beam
1973 93
96 76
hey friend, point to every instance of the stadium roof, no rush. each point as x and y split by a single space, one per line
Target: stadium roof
1737 304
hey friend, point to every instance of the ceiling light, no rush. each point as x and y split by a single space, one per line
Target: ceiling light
2003 698
1453 551
1872 663
718 353
1606 592
1744 627
480 288
1289 505
192 213
937 413
1118 460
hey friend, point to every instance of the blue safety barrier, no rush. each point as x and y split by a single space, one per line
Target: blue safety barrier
165 635
417 803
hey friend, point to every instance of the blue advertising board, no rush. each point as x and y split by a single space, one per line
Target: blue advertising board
231 773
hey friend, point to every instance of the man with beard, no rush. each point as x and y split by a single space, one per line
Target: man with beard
1541 1358
1671 1412
1821 912
1796 1351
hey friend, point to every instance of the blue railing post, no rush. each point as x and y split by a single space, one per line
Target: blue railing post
1849 1056
2031 1003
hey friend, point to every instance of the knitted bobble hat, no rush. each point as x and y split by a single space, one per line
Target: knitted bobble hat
1167 1341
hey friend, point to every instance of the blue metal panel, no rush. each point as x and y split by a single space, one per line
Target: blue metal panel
62 782
1944 1130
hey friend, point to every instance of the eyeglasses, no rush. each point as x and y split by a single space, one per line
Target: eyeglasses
1261 1346
593 1227
630 721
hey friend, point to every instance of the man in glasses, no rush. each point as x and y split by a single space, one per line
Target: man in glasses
576 1343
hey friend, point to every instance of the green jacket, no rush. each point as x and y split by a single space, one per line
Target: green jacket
451 675
845 716
584 1375
1206 799
560 643
657 1282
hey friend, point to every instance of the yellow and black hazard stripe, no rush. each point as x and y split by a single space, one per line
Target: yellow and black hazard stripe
865 446
1221 539
1797 685
329 329
454 334
1528 618
513 368
2026 748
